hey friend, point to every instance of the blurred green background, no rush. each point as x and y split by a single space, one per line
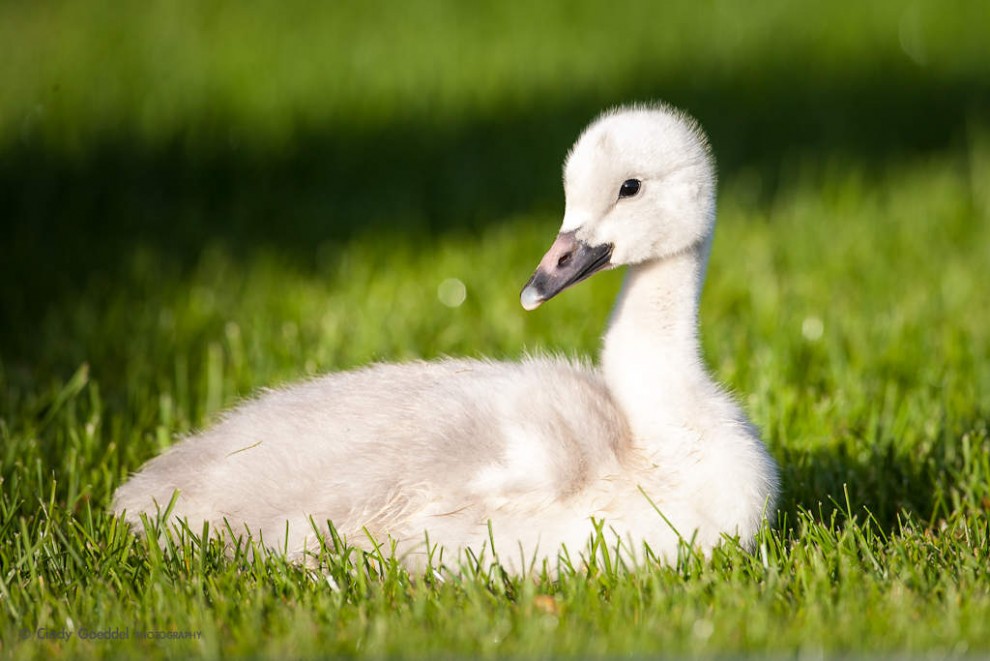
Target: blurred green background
292 124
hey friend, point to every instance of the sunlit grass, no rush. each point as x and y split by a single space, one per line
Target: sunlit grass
878 416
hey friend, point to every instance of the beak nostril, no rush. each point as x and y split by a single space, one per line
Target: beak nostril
565 259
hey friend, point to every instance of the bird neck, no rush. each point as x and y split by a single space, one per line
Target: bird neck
651 357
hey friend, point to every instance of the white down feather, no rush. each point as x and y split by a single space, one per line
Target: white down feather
538 448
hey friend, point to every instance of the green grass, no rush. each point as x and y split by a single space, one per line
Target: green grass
200 202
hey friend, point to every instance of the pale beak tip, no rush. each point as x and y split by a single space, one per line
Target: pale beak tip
530 298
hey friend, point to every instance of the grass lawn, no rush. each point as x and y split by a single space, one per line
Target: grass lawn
199 202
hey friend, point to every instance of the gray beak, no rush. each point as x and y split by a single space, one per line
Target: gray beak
568 261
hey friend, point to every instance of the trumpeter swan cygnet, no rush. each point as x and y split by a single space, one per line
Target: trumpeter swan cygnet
539 449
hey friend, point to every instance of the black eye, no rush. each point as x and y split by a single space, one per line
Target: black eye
629 187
